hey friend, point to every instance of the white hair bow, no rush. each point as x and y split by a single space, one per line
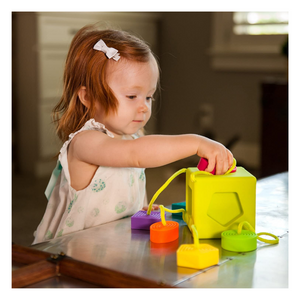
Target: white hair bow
109 51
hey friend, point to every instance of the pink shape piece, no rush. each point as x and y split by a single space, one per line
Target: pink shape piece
203 163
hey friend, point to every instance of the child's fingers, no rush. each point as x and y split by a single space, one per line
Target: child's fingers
222 162
230 158
154 207
221 166
211 164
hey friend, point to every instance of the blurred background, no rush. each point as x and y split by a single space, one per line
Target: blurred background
224 75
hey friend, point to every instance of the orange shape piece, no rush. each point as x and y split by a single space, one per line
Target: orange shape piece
164 234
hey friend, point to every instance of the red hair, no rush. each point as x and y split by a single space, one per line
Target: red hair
86 67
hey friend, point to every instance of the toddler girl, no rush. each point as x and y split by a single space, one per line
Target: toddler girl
109 81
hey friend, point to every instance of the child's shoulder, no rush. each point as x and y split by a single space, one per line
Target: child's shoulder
87 142
89 136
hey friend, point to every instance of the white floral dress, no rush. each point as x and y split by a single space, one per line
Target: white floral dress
113 193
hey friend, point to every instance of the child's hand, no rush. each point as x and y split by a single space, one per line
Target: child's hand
154 207
217 155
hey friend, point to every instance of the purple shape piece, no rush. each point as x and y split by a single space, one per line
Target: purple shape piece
142 221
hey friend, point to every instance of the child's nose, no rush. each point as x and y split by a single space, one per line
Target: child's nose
143 107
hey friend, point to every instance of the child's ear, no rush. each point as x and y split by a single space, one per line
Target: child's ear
83 97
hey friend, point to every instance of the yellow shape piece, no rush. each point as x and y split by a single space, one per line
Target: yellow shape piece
197 257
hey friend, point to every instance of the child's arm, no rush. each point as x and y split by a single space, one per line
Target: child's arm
96 148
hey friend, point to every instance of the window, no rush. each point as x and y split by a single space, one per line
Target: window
249 41
260 23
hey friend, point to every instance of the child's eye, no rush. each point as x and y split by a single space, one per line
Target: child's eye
150 98
131 96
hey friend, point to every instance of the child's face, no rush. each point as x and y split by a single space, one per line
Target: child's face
133 84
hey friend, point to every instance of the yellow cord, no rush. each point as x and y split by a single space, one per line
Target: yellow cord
275 241
162 213
232 167
195 236
246 224
174 176
162 188
193 227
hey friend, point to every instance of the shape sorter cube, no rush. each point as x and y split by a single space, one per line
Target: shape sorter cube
215 203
